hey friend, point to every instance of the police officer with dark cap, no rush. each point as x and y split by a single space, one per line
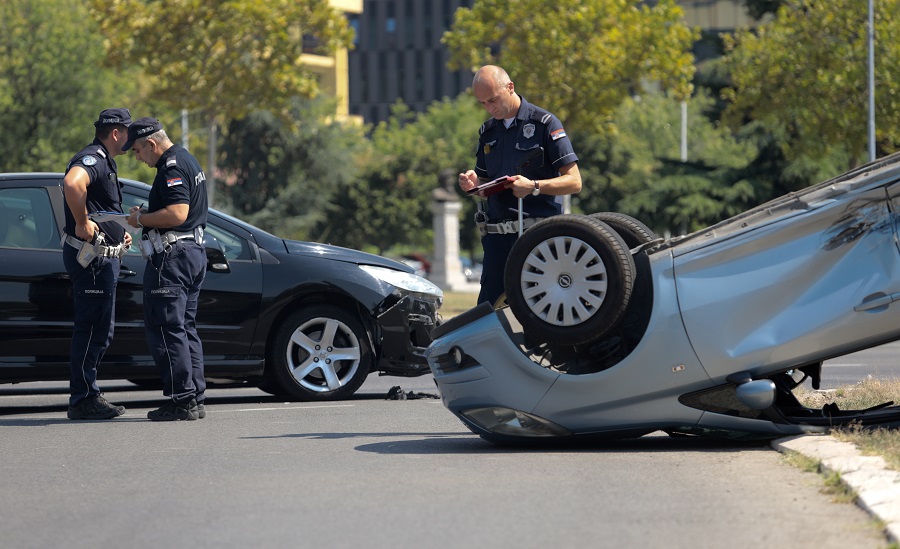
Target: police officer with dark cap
529 146
172 241
91 254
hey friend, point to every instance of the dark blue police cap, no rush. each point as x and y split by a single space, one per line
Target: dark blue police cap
142 127
109 117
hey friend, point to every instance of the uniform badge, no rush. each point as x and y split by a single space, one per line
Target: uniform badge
88 160
558 134
173 182
487 146
528 131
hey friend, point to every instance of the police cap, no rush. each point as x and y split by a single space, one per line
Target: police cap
142 127
110 117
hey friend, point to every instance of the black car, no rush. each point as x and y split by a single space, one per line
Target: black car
304 320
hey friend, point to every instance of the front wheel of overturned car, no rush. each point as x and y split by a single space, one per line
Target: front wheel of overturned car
320 352
569 280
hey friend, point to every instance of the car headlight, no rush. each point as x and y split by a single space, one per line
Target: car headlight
505 421
405 281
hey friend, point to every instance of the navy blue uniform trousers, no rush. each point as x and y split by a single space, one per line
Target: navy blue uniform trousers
94 299
496 251
171 291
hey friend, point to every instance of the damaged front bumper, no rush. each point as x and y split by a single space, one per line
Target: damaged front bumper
406 327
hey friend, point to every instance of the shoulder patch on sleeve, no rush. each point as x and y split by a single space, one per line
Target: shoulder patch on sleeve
89 160
174 181
558 134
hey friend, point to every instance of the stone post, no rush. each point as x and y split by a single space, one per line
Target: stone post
446 269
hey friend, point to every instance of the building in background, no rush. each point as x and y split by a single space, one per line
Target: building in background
332 71
398 52
714 17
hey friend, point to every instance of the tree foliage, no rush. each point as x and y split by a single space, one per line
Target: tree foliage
639 171
283 177
229 57
390 204
759 8
803 75
53 83
577 58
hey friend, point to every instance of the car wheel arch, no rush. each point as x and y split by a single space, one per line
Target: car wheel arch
316 301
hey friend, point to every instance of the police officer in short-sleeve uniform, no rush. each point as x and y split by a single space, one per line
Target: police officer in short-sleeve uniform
91 184
175 217
529 144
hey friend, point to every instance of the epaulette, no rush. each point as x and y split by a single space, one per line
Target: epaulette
171 162
487 125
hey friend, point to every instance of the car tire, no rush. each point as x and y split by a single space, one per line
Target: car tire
569 279
632 231
320 352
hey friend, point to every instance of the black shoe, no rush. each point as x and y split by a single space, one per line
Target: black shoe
201 411
120 409
94 408
174 411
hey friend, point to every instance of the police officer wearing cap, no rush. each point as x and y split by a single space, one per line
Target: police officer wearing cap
530 146
172 240
91 254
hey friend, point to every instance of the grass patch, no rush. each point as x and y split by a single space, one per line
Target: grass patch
865 394
456 303
835 487
801 461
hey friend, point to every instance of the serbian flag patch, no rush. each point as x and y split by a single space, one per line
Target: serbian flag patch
174 181
554 135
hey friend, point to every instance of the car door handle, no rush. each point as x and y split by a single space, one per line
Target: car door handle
125 272
877 301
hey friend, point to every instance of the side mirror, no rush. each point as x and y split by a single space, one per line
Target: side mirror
216 260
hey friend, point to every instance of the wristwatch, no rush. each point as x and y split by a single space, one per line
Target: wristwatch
537 188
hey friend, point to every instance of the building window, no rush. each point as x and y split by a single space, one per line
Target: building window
353 20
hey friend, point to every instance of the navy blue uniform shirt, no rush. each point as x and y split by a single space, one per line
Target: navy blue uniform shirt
501 151
180 180
104 193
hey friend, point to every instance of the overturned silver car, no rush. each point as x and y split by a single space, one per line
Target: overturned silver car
611 332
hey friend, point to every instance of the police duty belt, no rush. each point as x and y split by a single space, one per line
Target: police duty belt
102 251
505 227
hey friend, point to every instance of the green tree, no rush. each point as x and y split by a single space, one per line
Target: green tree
759 8
223 58
803 76
638 170
52 83
390 204
578 58
283 177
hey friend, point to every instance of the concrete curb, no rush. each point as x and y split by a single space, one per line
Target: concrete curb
876 486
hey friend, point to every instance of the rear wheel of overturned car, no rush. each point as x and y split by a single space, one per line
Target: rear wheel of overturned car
633 232
569 280
320 352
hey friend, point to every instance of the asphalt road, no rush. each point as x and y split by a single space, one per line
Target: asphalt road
880 362
370 472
